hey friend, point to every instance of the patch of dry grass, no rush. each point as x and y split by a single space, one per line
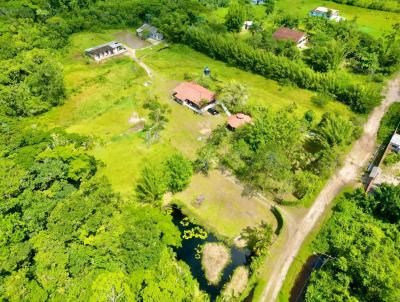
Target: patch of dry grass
216 257
238 283
224 210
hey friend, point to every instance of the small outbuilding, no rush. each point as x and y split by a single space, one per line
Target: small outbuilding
324 12
194 96
104 51
298 37
395 142
147 31
247 24
238 120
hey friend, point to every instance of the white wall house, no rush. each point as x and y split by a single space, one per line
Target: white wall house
104 51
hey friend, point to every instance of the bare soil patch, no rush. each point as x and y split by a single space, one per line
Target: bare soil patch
216 257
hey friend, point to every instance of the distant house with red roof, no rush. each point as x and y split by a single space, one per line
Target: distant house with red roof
194 96
238 120
297 37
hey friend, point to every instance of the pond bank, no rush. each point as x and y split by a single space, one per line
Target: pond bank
189 253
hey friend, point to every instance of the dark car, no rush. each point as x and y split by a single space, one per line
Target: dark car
212 111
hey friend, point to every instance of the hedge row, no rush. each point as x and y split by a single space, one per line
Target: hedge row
227 48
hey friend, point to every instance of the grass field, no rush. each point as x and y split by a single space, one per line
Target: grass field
101 97
224 208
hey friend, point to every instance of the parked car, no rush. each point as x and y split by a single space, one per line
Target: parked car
212 111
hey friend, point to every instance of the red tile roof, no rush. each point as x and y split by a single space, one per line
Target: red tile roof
193 92
238 120
285 33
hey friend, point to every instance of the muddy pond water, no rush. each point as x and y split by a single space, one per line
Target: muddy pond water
187 253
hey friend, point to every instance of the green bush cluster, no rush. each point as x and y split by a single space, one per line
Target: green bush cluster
172 175
361 241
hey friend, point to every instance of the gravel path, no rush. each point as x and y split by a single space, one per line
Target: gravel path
355 161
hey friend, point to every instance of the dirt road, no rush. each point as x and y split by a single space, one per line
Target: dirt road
358 158
132 53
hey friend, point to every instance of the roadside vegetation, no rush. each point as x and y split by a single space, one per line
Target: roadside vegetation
389 123
359 267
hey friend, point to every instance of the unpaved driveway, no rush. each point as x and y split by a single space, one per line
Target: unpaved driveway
132 53
358 158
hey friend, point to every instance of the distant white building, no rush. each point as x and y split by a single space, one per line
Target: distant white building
148 31
395 142
104 51
247 24
331 14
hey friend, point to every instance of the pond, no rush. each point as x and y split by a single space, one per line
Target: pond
187 253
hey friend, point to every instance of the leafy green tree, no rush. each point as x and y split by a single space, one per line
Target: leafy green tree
304 183
234 95
365 261
178 172
258 238
385 203
334 130
326 56
269 6
234 19
152 185
158 118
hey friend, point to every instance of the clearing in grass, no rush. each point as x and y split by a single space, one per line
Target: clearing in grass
218 203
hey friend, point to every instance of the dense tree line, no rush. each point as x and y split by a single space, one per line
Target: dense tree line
362 240
278 152
234 51
66 236
333 44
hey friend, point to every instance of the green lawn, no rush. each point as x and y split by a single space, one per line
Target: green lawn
102 97
224 208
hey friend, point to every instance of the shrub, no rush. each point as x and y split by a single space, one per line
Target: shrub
178 170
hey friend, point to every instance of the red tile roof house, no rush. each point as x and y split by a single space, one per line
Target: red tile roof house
238 120
297 37
194 96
